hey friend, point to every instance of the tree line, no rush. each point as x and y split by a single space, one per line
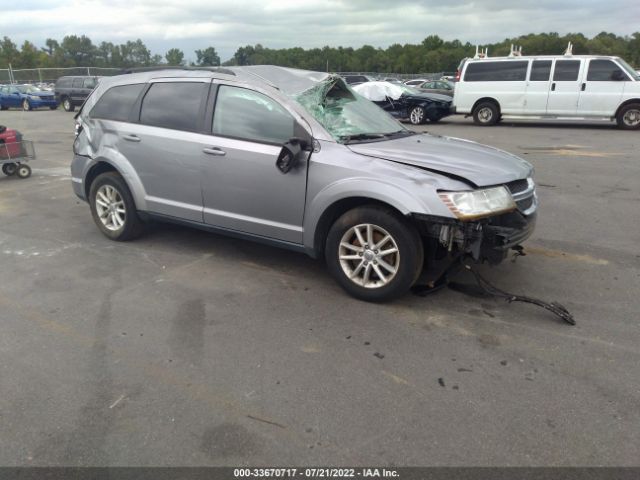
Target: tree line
433 54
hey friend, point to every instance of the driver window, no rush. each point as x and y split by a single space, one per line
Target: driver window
249 115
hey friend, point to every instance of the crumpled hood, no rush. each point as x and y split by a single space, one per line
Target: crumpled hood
479 164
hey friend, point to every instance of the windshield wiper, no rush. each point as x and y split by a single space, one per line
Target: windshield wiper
400 133
362 137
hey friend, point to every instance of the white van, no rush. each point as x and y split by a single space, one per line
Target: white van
578 86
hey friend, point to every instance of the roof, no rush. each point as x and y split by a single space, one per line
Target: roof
544 57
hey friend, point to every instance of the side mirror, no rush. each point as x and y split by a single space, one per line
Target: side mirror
289 155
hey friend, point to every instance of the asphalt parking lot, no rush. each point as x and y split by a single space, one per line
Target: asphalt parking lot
186 348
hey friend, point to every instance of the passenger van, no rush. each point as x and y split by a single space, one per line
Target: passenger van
573 86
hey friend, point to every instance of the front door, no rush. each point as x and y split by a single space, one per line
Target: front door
602 89
242 188
565 87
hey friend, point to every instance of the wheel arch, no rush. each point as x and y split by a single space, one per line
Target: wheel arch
624 104
486 99
132 181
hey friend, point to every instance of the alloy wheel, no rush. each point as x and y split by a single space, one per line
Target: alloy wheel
369 255
631 117
110 208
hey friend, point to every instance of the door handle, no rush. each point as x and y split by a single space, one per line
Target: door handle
131 138
215 151
553 87
584 86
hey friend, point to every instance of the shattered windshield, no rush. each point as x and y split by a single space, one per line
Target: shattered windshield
346 115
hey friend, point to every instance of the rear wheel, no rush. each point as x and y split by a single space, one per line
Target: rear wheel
486 114
23 171
374 253
628 117
67 104
9 169
417 115
113 208
26 106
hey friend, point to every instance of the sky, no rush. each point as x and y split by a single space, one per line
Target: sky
227 25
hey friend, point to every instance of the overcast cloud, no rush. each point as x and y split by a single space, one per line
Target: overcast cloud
193 24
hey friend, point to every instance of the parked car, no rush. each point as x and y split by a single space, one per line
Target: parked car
584 86
415 82
356 79
71 91
296 159
441 87
392 80
405 102
26 97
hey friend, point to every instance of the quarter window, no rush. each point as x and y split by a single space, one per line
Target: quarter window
604 71
248 115
566 70
506 71
540 71
116 103
89 83
174 105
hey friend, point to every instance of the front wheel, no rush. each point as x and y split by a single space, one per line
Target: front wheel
486 114
628 117
26 106
113 208
416 116
67 104
374 253
23 171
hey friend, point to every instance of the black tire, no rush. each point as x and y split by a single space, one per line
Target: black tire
486 114
67 104
9 169
408 264
417 116
628 118
26 106
132 226
54 107
23 171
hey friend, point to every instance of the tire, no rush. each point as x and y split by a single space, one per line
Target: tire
123 222
26 106
486 114
628 118
417 116
23 171
345 262
67 104
9 169
53 107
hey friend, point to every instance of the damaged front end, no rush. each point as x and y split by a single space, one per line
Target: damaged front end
483 240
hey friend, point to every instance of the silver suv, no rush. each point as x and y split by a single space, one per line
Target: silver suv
299 160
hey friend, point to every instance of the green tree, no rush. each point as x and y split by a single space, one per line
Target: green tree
175 57
207 57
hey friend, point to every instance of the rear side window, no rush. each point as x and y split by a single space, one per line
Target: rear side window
566 70
507 71
174 105
89 83
540 71
64 83
77 82
116 103
604 71
252 116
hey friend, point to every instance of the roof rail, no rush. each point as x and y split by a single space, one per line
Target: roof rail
226 71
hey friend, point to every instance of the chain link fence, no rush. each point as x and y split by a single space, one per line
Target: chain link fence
50 75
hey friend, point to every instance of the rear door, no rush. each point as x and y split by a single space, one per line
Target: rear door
76 91
242 188
538 86
565 87
602 89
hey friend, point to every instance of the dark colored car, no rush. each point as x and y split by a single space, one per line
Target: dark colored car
404 102
71 91
442 87
26 97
